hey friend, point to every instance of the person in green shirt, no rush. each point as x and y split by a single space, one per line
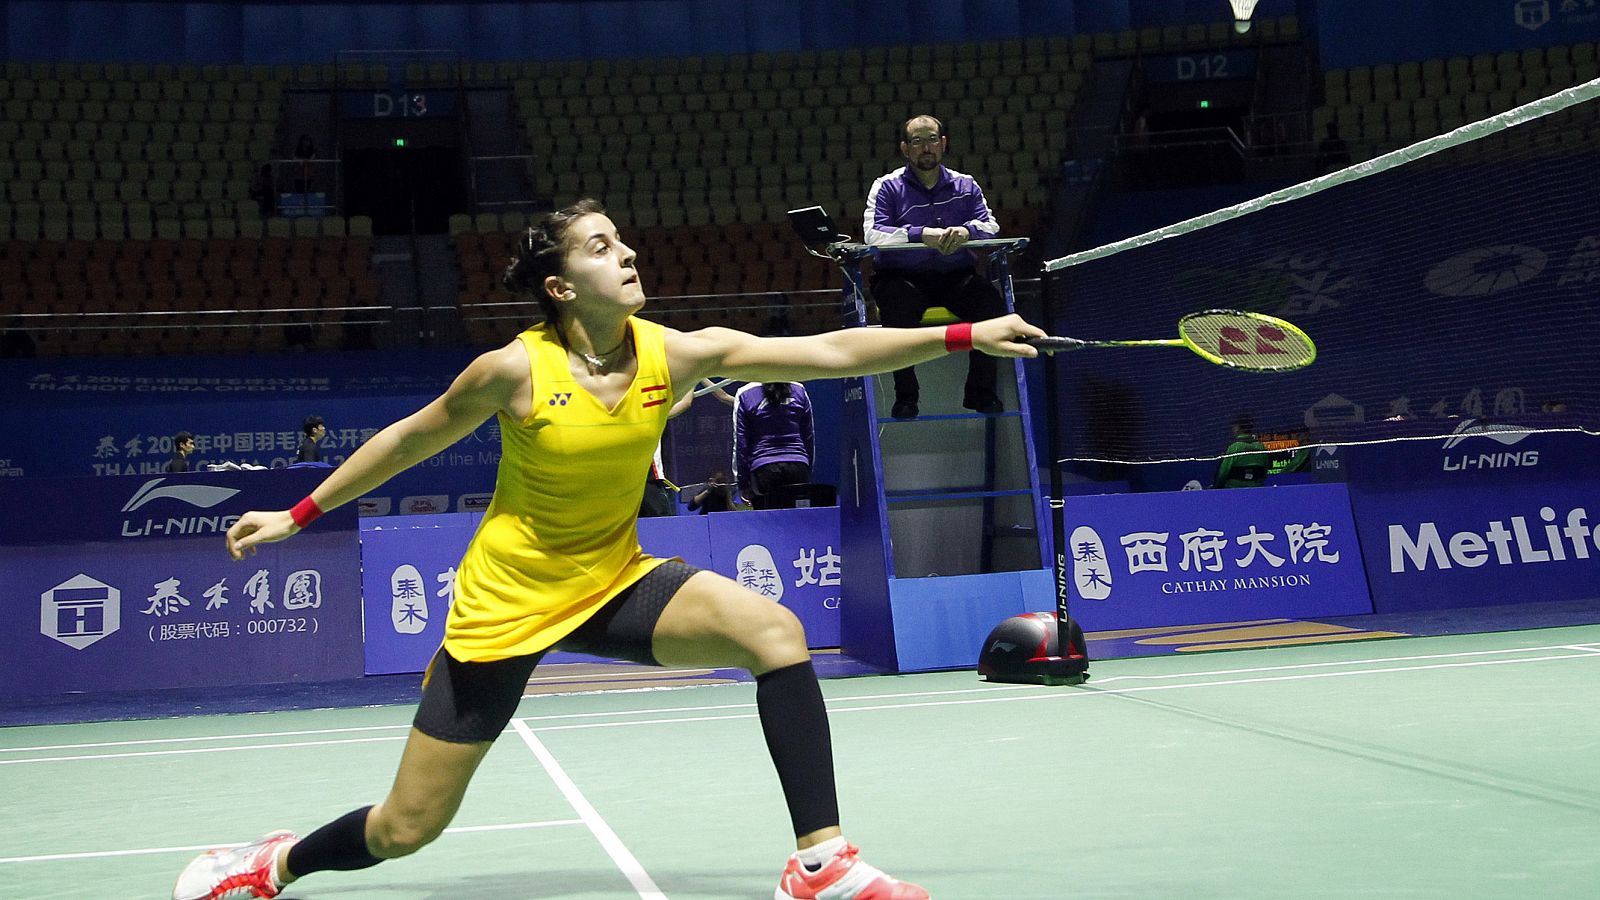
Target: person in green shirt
1245 462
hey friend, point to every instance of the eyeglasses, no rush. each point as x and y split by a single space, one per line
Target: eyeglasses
925 141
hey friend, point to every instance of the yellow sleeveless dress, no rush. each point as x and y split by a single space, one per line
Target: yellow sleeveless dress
560 537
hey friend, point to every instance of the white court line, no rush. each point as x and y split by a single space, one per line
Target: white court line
589 715
712 708
13 762
207 737
613 845
199 848
1346 662
835 705
1092 692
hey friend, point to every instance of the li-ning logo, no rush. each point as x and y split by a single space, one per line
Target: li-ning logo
203 496
1502 434
560 399
199 495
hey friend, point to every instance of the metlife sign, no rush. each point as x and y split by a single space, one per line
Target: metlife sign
1191 557
1493 514
1442 547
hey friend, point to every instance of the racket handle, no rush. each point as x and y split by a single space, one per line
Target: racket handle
1055 344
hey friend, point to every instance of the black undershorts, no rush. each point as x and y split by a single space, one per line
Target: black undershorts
471 702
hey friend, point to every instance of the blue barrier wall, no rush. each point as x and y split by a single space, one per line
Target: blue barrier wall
1481 518
123 583
1191 557
409 565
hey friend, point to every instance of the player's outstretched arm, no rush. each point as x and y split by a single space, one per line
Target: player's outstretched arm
484 388
851 351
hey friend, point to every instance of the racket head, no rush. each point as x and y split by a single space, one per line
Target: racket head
1248 341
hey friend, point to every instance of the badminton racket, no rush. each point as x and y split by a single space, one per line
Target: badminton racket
1248 341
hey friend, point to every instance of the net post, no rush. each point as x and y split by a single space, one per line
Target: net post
1058 507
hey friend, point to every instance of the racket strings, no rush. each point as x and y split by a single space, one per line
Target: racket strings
1247 340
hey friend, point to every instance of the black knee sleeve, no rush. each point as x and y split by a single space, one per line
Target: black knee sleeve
795 723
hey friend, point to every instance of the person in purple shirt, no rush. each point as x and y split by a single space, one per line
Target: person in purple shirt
772 440
925 202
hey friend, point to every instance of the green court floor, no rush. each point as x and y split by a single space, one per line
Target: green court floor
1445 767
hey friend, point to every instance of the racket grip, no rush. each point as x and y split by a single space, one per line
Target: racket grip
1055 344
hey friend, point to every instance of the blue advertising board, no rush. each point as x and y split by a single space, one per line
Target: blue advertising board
74 417
1446 547
792 556
409 568
1480 453
1192 557
1490 515
123 583
110 417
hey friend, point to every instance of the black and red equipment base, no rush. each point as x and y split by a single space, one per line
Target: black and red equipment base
1026 650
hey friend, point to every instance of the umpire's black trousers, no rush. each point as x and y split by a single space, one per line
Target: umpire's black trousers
903 297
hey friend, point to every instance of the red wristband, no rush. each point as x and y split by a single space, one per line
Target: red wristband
305 512
958 337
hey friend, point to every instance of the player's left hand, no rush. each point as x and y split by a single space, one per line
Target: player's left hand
1004 336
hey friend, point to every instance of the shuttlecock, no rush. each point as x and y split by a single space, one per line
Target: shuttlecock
1241 14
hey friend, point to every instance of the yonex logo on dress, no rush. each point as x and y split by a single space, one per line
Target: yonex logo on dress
80 611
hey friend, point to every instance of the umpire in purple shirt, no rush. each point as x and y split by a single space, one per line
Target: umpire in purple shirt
924 202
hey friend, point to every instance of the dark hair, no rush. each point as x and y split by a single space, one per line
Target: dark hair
777 392
310 424
541 252
1244 424
180 437
905 129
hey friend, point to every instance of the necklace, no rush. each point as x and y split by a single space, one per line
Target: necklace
602 360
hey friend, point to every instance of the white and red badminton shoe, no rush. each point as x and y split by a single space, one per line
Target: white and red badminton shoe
239 872
844 877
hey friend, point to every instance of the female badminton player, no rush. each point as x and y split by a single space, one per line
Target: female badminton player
582 400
